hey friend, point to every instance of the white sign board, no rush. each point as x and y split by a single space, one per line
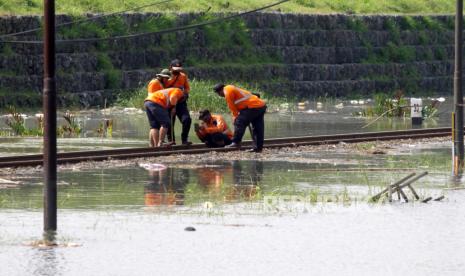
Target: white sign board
416 107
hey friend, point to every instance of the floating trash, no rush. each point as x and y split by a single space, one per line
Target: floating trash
6 181
339 106
153 166
208 205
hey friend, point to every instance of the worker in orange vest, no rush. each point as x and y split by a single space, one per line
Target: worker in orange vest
160 81
246 108
213 131
157 105
180 80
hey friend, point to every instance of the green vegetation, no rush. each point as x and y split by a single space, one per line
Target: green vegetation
395 50
201 97
388 106
396 105
356 24
19 98
71 129
112 76
298 6
15 121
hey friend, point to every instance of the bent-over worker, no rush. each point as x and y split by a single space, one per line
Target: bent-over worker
160 81
246 108
213 131
157 105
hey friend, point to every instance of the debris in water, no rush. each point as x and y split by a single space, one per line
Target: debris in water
439 198
426 199
153 167
378 151
189 229
208 205
6 181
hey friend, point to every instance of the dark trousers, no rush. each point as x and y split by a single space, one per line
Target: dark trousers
254 116
183 115
216 140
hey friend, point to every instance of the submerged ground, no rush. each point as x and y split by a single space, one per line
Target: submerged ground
299 210
302 210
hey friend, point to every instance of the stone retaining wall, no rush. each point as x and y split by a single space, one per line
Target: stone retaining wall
286 54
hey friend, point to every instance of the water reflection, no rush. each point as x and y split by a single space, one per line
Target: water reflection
166 187
231 181
45 260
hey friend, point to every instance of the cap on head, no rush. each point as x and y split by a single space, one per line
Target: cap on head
165 73
218 87
176 65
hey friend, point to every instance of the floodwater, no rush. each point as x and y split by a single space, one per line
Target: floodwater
130 127
251 217
299 212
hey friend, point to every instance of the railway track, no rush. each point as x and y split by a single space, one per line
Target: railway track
127 153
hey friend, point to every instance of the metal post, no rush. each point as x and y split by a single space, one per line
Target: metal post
49 106
458 95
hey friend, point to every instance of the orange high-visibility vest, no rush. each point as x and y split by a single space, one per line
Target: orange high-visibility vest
239 99
217 124
166 98
155 85
180 81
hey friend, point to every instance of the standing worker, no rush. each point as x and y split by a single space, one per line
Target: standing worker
213 131
179 80
246 108
159 82
157 105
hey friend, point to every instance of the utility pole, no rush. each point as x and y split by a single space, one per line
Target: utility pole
50 120
458 95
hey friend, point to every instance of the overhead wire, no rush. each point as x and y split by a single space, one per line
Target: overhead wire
87 19
164 31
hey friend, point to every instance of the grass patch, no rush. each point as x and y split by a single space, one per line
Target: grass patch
297 6
201 97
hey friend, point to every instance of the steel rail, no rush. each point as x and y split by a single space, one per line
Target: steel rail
127 153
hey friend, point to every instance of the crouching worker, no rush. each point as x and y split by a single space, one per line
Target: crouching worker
213 130
246 108
157 105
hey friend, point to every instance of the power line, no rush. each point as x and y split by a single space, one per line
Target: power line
86 19
169 30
